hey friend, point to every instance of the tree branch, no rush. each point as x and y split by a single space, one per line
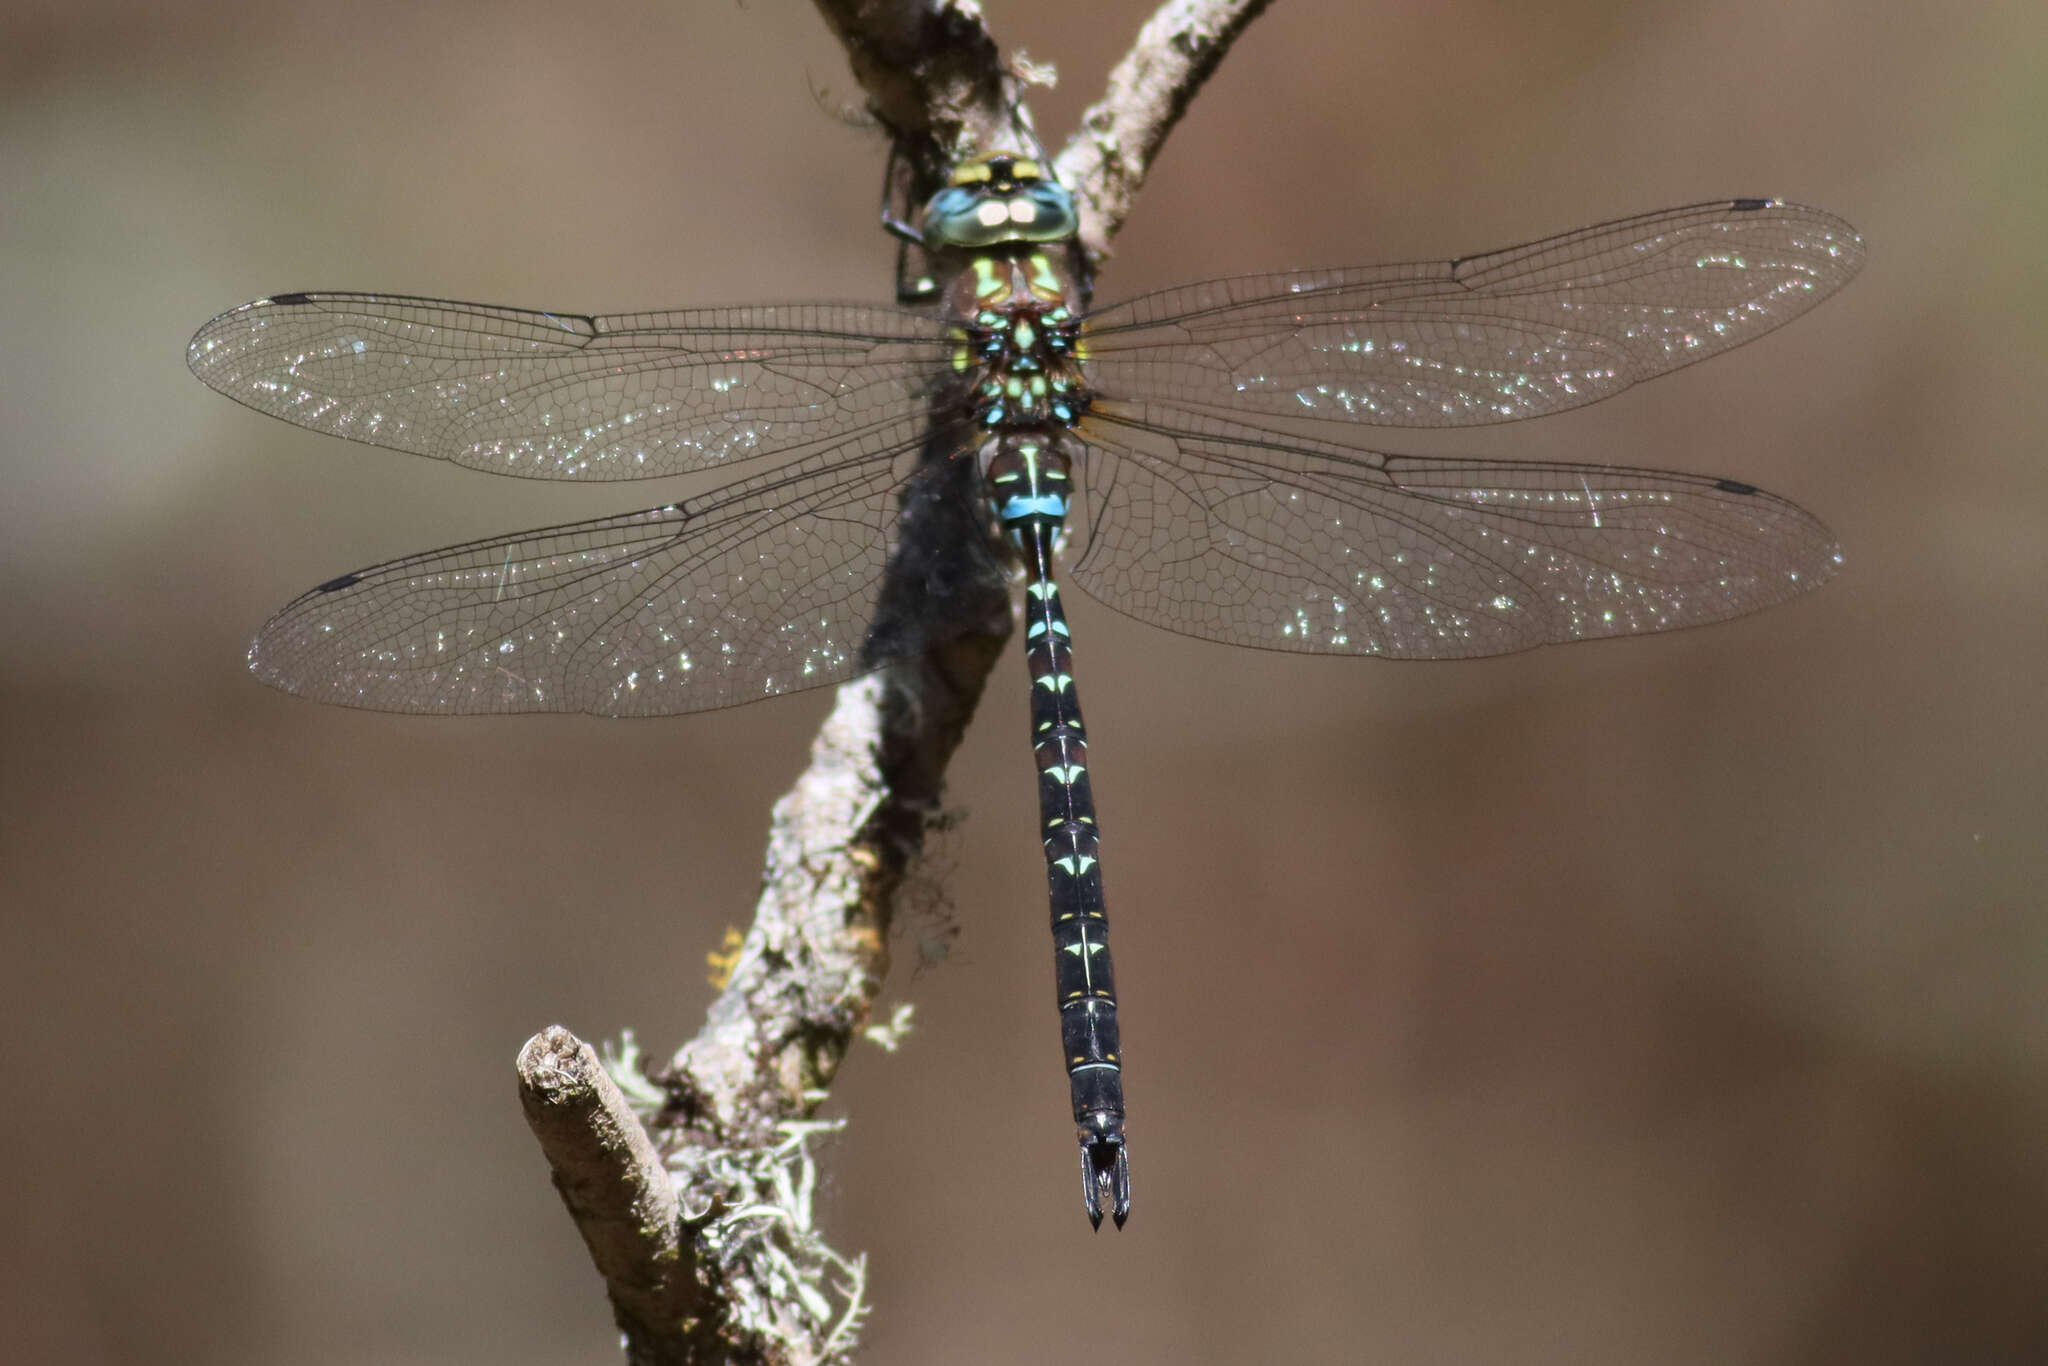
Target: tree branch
609 1175
1106 162
691 1183
930 70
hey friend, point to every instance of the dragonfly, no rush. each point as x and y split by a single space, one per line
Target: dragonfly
1007 421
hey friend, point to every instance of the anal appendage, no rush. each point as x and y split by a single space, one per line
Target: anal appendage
1106 1179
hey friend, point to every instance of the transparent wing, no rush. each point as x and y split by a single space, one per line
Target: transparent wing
1512 334
565 396
1234 534
760 588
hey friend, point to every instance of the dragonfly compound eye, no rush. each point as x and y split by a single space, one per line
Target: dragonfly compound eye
985 213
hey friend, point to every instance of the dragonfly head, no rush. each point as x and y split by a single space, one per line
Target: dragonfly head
999 199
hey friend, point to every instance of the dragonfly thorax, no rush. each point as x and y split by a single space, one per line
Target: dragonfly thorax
1017 343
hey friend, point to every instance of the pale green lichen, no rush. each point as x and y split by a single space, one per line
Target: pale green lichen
781 1281
889 1036
622 1062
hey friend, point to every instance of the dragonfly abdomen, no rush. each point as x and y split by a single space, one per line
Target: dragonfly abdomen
1028 475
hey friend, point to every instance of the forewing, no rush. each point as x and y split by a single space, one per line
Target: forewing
759 588
1511 334
1233 534
568 396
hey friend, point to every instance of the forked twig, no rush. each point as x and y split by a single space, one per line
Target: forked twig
691 1183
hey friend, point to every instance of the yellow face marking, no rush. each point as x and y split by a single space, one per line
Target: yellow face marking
972 173
1022 169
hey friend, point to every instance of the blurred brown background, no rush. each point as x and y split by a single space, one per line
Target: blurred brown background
1674 1000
